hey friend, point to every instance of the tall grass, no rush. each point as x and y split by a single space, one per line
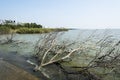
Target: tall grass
32 30
37 30
5 30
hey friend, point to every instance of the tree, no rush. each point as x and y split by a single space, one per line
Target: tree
39 26
26 25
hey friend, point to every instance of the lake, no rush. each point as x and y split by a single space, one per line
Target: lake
71 35
28 41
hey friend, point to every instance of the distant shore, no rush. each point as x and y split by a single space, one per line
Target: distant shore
27 28
39 30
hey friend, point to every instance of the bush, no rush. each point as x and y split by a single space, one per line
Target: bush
4 30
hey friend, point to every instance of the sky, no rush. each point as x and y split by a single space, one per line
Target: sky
84 14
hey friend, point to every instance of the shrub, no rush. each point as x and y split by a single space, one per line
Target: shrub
4 30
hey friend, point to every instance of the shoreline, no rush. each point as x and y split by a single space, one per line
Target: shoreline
20 62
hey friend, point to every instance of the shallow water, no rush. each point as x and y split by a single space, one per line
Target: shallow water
29 40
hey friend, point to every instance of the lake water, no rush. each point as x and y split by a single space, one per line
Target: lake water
70 35
29 40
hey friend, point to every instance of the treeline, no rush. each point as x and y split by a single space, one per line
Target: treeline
13 25
5 29
8 26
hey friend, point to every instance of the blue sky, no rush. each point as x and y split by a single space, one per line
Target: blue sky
64 13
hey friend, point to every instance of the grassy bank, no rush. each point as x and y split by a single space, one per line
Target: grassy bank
26 28
32 30
6 30
38 30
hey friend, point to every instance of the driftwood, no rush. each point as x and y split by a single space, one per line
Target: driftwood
49 50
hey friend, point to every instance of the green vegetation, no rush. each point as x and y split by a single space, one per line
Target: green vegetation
32 30
25 28
37 30
4 30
